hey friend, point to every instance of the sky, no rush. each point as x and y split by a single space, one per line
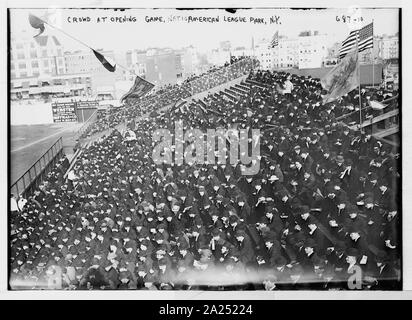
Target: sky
140 34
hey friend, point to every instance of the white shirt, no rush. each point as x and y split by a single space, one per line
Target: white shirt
71 175
13 205
288 87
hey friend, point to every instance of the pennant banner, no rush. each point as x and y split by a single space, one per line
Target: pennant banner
110 66
36 23
342 79
139 89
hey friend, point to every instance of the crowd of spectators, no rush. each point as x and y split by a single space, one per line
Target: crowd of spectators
171 93
324 204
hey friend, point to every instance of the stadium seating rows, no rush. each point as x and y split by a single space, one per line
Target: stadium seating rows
324 201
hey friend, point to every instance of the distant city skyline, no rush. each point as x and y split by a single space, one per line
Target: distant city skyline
141 35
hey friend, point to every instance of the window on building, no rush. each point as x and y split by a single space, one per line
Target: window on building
20 55
46 63
34 64
23 74
61 70
33 54
22 65
12 66
12 75
36 73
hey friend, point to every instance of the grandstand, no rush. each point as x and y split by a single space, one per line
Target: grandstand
324 204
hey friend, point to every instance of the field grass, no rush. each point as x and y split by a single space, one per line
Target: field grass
29 142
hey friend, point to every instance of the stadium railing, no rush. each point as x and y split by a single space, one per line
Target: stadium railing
36 173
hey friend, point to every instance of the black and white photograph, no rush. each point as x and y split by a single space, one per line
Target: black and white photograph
205 149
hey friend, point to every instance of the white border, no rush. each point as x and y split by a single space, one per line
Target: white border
194 295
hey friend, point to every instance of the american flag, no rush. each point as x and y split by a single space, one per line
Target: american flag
275 40
363 37
366 37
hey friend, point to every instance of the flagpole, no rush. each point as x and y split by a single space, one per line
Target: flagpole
278 50
373 59
359 88
253 53
70 36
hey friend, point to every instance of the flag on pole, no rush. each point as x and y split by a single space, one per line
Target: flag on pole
36 23
349 44
342 79
275 40
109 65
366 37
363 36
139 89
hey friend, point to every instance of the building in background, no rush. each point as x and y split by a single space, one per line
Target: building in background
264 53
218 57
163 66
123 73
190 61
389 53
103 81
34 57
308 50
138 63
312 49
52 86
38 70
389 47
286 54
